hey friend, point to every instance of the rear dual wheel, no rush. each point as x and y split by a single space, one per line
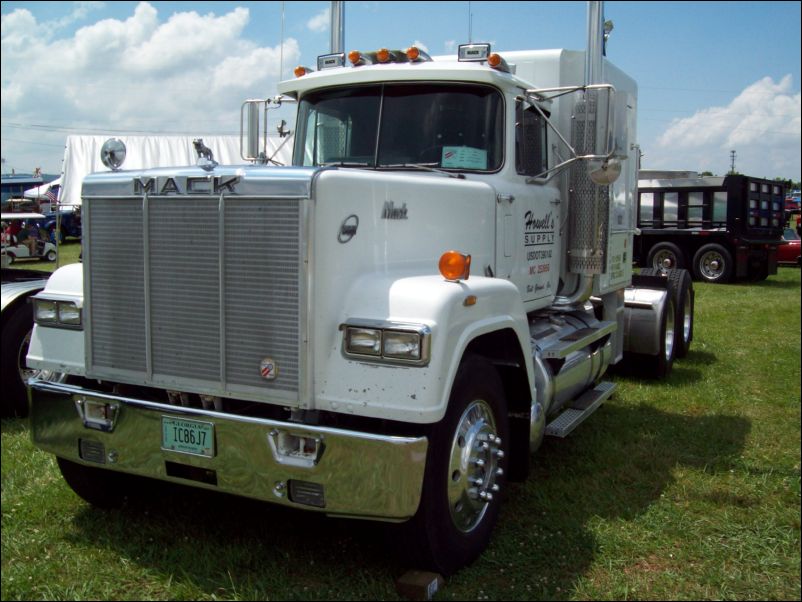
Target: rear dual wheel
666 256
684 298
713 263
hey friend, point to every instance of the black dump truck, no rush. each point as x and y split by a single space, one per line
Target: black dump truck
719 228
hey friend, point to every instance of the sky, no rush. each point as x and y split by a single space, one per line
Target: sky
713 76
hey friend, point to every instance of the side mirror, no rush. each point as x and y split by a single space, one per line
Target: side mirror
249 128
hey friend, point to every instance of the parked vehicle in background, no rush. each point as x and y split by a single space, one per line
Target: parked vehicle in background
789 253
17 322
67 222
720 228
24 237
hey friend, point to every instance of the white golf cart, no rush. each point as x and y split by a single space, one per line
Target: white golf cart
15 247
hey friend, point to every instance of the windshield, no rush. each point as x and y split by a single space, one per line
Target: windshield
451 126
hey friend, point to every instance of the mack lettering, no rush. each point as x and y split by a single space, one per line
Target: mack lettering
200 185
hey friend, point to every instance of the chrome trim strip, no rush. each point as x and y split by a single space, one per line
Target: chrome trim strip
146 284
221 280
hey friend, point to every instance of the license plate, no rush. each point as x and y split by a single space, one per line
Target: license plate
188 436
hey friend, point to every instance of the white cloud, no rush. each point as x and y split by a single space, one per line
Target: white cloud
450 46
185 73
320 22
762 124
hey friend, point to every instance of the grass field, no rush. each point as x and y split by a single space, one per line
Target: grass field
685 489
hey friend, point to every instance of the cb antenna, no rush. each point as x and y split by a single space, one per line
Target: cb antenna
470 25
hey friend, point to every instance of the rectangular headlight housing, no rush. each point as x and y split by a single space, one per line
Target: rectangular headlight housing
57 313
390 342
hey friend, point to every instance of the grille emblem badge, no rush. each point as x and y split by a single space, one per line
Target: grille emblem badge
268 369
348 229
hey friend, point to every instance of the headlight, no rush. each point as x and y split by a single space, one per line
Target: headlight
387 341
402 345
51 312
366 341
44 312
68 313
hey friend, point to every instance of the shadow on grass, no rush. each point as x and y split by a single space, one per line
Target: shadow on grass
616 467
232 547
12 426
684 372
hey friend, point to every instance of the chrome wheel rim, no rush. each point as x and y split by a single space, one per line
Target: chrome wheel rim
669 345
712 265
474 466
664 260
687 319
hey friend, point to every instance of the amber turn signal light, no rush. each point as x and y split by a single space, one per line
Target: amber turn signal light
455 265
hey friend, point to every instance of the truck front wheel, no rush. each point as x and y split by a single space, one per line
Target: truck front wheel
465 474
16 336
713 263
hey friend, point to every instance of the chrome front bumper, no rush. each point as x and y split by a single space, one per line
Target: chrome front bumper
353 473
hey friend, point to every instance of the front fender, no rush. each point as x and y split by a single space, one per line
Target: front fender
417 394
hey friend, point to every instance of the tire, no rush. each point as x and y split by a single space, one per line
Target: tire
684 299
713 263
97 486
659 366
666 256
656 366
15 338
51 256
457 513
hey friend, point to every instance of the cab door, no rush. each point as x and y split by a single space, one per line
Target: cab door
531 212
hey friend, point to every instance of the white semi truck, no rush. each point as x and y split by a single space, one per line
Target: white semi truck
385 329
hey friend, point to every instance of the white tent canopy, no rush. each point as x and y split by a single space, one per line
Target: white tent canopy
82 156
38 193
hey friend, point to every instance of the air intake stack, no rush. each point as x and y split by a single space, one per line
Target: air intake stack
590 203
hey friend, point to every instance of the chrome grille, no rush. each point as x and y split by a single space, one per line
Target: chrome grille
200 297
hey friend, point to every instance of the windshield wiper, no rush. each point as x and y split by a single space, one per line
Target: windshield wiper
344 164
423 167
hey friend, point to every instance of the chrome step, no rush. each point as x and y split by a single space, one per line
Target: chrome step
583 406
577 340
